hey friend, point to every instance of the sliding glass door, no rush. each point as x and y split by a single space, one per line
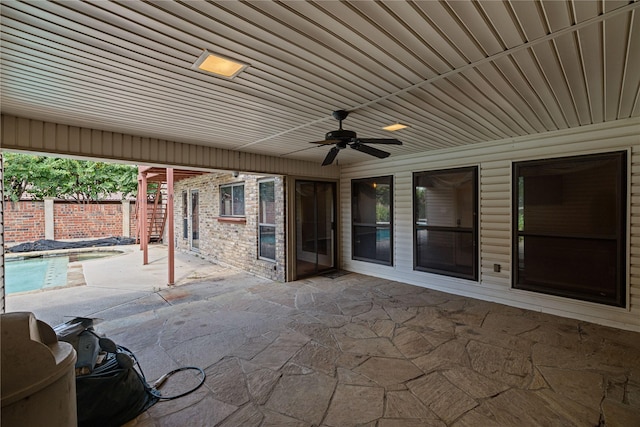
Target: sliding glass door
315 227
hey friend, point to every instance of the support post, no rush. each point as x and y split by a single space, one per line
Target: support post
170 230
49 219
144 238
139 210
126 218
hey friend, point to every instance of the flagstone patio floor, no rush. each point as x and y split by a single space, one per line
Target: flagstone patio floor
362 351
353 350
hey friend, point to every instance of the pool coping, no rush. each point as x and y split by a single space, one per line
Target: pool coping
33 254
75 273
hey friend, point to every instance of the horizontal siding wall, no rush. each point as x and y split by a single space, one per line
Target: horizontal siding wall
495 162
53 138
495 222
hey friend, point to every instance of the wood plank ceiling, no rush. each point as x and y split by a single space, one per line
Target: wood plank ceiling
456 72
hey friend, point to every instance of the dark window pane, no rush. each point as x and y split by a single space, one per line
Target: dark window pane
185 205
232 200
445 199
570 231
185 215
570 197
372 200
268 242
372 212
568 266
195 220
445 251
372 243
267 203
445 222
238 200
225 201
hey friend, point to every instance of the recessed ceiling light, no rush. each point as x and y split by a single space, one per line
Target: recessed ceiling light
218 65
396 126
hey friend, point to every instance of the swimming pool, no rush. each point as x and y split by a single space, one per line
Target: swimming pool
23 274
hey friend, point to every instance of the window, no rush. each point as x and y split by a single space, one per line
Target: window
372 224
569 230
185 215
232 200
445 222
267 220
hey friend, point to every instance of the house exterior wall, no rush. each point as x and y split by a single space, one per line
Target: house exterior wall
231 241
495 161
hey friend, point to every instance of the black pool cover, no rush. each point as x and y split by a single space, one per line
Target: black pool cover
48 245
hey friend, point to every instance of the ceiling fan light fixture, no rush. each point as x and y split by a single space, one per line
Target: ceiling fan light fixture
343 138
394 127
219 65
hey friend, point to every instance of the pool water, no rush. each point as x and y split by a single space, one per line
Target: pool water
30 274
35 273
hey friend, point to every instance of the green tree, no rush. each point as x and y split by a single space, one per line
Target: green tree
79 180
382 203
19 171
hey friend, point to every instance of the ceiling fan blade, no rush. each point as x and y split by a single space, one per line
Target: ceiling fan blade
392 141
370 150
331 156
326 142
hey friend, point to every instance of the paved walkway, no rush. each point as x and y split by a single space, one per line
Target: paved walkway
357 350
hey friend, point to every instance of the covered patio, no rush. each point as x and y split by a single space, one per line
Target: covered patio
349 349
484 88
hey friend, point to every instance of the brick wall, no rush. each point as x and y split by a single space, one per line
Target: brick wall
23 221
81 221
233 243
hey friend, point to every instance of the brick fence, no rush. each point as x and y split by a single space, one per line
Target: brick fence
23 221
27 221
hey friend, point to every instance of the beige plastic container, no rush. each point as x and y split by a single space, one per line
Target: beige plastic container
38 374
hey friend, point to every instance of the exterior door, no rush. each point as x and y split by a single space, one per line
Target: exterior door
315 227
194 242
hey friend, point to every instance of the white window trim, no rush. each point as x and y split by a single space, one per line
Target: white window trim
260 224
235 184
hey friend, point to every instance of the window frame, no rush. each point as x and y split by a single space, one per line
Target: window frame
474 229
261 224
231 186
390 227
185 215
621 283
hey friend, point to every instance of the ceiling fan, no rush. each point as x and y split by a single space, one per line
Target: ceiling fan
343 138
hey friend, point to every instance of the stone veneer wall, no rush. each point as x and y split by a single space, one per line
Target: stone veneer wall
232 242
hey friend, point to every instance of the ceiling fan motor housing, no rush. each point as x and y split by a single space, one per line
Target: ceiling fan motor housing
340 134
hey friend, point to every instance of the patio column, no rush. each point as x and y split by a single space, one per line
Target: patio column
144 239
126 218
170 230
49 221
